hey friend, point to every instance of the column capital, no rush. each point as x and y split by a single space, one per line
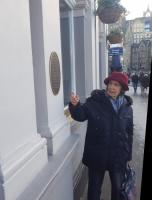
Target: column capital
82 4
70 3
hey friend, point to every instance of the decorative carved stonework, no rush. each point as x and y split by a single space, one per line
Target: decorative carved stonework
82 4
54 69
66 5
147 13
63 6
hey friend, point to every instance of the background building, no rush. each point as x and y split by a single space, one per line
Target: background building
138 45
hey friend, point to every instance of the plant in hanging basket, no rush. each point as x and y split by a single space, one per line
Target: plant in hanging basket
115 36
109 11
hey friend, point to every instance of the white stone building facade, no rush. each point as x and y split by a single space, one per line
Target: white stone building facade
40 145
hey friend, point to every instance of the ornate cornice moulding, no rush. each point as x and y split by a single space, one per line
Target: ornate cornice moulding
82 4
70 3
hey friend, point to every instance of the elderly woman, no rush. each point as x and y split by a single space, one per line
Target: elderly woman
109 137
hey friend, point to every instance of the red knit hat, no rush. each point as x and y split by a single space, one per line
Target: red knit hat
120 77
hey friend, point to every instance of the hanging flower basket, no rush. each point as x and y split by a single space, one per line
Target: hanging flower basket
109 15
114 39
109 11
115 36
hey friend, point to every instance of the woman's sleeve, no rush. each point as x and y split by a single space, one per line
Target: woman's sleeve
78 112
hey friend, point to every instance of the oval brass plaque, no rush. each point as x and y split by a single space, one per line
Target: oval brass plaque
54 70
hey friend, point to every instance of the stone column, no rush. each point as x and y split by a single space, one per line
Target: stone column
87 47
55 127
103 54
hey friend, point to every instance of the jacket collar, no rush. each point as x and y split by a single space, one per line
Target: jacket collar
100 96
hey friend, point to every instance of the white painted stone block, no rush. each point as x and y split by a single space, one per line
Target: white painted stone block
23 152
20 168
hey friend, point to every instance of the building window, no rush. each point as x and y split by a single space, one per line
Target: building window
147 26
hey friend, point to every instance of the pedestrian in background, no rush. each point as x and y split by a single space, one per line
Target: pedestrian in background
134 79
144 82
109 137
141 75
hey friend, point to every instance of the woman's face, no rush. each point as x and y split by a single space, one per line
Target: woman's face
114 89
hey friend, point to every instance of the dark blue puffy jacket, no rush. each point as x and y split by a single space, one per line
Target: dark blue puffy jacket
109 134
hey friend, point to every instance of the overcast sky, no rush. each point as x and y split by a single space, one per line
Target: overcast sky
136 7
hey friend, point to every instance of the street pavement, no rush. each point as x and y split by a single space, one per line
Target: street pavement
140 105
